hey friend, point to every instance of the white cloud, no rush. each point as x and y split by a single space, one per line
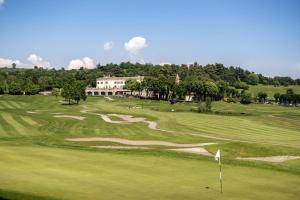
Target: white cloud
135 44
85 62
1 2
37 61
108 45
8 62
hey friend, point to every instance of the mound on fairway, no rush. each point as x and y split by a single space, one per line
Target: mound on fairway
137 142
275 159
70 116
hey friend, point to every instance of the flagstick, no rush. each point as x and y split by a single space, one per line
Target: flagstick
220 165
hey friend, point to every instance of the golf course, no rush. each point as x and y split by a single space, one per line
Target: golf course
130 148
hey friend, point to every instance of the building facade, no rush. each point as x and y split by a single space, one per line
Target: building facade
111 86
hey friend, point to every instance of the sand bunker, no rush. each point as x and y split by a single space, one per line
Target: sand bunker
107 119
108 98
198 150
275 159
153 125
84 109
119 147
70 116
130 119
136 142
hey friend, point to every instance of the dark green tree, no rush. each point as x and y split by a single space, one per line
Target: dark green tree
55 92
262 96
211 89
14 88
245 97
132 85
276 96
31 88
253 79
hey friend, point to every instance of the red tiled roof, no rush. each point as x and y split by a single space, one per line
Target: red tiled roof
112 78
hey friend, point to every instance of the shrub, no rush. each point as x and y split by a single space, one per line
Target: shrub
245 98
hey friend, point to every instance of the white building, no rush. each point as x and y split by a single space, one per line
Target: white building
108 82
111 86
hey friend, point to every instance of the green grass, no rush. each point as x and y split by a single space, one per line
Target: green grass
74 174
271 90
37 162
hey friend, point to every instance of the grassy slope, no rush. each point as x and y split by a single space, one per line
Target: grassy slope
261 124
271 90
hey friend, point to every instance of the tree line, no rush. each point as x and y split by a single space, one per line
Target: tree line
289 98
213 81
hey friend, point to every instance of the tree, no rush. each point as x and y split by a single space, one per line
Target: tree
245 97
241 85
1 88
55 92
190 85
73 90
276 96
14 88
262 96
232 92
253 79
79 91
68 88
199 88
223 88
132 85
31 88
290 91
211 89
45 83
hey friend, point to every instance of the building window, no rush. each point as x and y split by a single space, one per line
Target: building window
101 82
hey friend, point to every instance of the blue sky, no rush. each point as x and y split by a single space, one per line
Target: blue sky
259 35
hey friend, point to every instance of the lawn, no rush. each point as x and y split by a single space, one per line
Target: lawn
271 90
38 163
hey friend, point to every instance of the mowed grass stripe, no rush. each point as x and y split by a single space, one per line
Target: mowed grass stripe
245 126
6 105
15 104
29 121
247 130
8 130
19 128
2 131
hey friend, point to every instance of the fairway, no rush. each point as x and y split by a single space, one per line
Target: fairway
38 162
74 174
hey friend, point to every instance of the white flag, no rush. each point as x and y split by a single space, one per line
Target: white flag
218 155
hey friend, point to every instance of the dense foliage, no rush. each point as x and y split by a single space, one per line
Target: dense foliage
213 80
288 98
